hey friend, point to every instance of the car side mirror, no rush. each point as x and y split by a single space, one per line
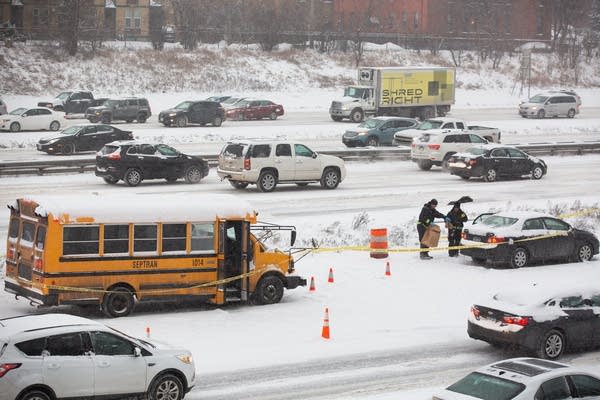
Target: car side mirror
24 115
137 352
314 155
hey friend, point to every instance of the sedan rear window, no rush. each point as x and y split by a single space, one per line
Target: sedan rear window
234 150
487 387
108 149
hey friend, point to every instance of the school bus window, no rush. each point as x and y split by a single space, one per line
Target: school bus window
144 238
173 237
41 238
116 239
80 240
13 229
203 237
27 234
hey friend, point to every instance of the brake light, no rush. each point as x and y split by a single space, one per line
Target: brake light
463 235
247 164
10 254
475 311
495 239
38 264
116 156
433 146
4 368
521 321
472 162
413 145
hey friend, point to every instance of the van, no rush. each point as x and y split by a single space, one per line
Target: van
551 104
115 251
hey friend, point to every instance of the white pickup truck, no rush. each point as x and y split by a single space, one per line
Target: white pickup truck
441 125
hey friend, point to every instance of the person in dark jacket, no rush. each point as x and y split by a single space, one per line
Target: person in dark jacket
455 220
426 217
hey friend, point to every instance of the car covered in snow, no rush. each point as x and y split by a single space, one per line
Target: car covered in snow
545 321
377 131
520 238
524 379
492 162
60 356
31 119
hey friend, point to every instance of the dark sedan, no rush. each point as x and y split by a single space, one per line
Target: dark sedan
134 161
255 109
546 321
493 162
77 138
521 238
193 112
377 131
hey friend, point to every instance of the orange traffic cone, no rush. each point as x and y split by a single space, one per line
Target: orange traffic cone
330 279
325 331
312 284
387 269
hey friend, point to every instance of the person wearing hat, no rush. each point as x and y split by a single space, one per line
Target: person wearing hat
454 221
426 217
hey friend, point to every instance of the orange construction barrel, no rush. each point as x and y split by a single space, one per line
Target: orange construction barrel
379 243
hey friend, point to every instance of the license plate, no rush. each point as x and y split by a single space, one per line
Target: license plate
457 164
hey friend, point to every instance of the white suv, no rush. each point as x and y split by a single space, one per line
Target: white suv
267 163
435 149
44 357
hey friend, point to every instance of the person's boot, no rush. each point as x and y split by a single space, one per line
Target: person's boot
425 256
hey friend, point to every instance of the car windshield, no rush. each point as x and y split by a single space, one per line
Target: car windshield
357 93
183 106
18 111
371 123
71 131
482 386
538 99
242 103
497 221
110 103
63 95
231 100
477 151
429 124
133 338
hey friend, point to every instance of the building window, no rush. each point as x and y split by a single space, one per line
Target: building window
416 20
539 26
133 19
391 20
40 16
404 18
507 18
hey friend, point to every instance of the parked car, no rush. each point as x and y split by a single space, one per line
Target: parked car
193 112
254 109
30 119
443 125
72 101
85 137
491 162
3 108
521 238
554 104
544 321
377 131
268 163
436 148
218 99
128 109
50 356
135 161
169 33
524 379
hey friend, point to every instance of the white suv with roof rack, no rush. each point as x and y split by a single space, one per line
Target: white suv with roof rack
268 163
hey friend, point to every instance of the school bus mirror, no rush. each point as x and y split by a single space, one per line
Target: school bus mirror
293 238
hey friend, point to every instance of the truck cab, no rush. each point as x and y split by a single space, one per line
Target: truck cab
357 102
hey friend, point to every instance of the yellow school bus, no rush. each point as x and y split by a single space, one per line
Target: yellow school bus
115 251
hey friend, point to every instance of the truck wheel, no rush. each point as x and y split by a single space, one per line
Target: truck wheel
541 114
133 177
428 112
330 178
336 118
93 120
372 141
267 181
118 302
106 119
269 290
142 118
571 113
217 121
425 165
181 121
357 115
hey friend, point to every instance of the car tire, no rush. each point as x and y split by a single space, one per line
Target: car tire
372 141
118 302
240 117
54 126
273 116
111 180
133 177
336 118
267 181
537 172
425 165
541 114
490 175
551 345
193 174
330 178
357 115
217 121
171 179
181 121
445 161
93 120
466 178
585 252
35 394
141 118
238 184
15 127
68 149
166 387
106 119
519 258
428 112
269 290
571 113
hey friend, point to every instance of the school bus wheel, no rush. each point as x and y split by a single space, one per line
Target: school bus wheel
118 302
269 290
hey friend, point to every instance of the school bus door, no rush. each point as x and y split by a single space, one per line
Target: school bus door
234 242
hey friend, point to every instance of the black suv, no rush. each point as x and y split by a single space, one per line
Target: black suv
193 112
120 109
134 161
84 137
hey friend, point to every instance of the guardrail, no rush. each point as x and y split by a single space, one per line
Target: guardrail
80 165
